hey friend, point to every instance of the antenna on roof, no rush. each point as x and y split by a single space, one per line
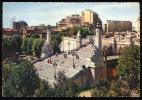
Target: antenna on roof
12 20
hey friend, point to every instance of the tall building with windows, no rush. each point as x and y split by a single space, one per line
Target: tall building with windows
113 26
19 25
89 17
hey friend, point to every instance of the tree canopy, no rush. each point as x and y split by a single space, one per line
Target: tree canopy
37 47
56 39
74 30
10 45
129 64
21 80
18 40
101 88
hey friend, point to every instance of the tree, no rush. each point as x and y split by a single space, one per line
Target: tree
24 44
35 36
22 81
64 87
101 88
56 39
6 70
71 88
84 32
44 89
13 45
114 89
18 40
73 31
129 65
37 47
63 33
5 48
29 46
8 47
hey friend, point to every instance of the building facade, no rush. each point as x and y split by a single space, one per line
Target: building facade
89 17
9 32
113 26
137 25
71 43
27 32
19 25
69 21
74 20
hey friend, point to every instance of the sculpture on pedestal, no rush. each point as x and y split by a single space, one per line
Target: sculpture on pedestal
47 49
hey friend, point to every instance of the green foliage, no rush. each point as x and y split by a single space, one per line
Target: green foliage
35 36
9 46
74 30
22 80
18 40
63 33
101 89
64 87
71 88
114 89
84 33
6 69
32 46
129 63
13 45
67 89
24 44
29 46
5 48
56 39
37 47
44 90
112 63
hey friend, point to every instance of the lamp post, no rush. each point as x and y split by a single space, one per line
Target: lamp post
69 46
83 66
119 34
54 65
105 50
131 38
73 59
82 76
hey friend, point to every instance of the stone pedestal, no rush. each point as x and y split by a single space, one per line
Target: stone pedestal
46 51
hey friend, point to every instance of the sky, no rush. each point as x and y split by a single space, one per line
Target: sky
49 13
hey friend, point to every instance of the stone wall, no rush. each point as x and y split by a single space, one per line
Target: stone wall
84 78
100 74
87 77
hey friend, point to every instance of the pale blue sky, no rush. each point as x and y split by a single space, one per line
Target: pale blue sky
35 13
